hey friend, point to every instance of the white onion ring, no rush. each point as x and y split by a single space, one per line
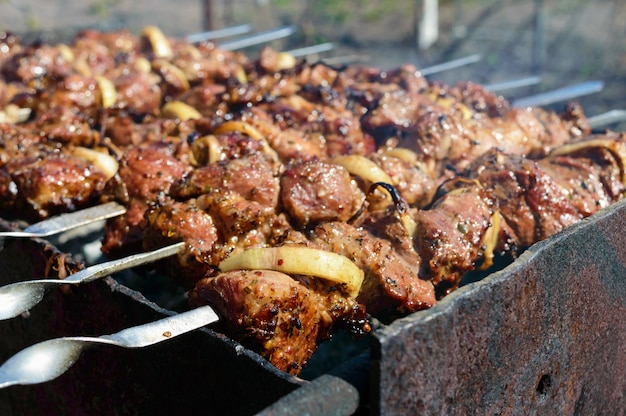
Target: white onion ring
363 167
489 241
300 260
107 91
241 127
160 45
106 163
180 110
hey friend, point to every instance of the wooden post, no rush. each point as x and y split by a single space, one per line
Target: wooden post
539 42
207 14
427 22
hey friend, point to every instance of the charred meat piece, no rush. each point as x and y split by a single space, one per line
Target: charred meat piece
58 182
590 172
528 198
149 170
392 281
250 176
478 99
36 65
415 181
146 172
313 192
449 236
214 226
168 222
282 318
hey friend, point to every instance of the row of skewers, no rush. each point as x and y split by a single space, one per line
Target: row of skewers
389 201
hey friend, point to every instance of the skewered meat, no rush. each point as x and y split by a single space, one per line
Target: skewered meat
286 318
401 186
313 192
504 203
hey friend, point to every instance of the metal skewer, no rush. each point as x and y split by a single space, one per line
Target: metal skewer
456 63
560 94
66 222
219 33
516 83
310 50
604 119
19 297
47 360
346 59
258 39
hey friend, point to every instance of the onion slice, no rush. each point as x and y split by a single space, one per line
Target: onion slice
180 110
615 147
106 163
171 72
158 42
403 154
205 150
286 60
489 241
14 114
107 90
300 260
363 167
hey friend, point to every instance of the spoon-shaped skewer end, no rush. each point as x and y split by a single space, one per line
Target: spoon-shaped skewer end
19 298
47 360
36 364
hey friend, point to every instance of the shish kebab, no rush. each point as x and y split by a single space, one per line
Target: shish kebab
195 153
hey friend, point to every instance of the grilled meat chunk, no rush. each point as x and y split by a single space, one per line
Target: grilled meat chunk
49 182
449 235
281 317
166 223
313 192
528 198
417 183
392 282
146 172
250 176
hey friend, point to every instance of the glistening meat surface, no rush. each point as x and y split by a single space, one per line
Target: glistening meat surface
410 184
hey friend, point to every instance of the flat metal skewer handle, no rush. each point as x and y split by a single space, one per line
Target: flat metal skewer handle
66 222
47 360
19 297
446 66
560 94
516 83
218 33
257 39
310 50
604 119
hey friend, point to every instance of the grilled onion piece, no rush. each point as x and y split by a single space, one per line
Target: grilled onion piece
205 150
300 260
180 110
14 114
240 126
107 91
616 148
159 44
490 240
363 167
106 163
